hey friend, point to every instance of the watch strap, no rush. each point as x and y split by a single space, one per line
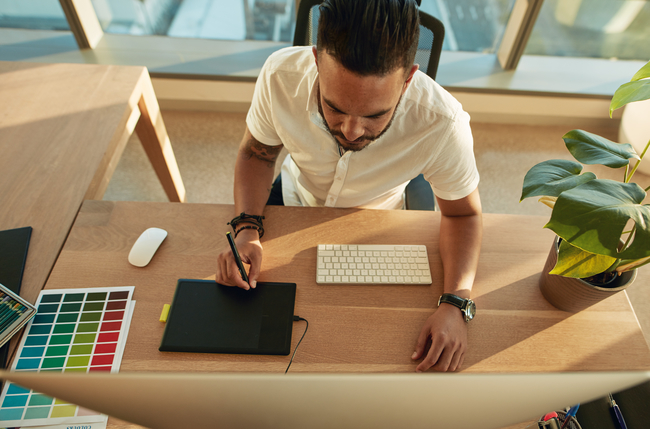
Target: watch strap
452 299
466 306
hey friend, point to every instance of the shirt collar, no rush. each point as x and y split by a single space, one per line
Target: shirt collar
312 105
312 100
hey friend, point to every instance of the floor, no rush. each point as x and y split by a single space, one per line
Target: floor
205 145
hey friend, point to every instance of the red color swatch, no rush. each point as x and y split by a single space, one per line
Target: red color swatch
114 315
102 360
111 326
105 348
108 337
99 368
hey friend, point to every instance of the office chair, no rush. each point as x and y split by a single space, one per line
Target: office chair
419 195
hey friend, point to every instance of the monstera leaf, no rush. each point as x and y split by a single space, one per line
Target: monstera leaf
591 148
643 73
593 216
551 178
575 262
637 90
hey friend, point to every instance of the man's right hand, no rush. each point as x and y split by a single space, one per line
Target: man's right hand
250 251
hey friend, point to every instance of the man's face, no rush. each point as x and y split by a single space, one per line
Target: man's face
357 109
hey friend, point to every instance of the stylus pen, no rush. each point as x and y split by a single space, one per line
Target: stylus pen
617 413
240 264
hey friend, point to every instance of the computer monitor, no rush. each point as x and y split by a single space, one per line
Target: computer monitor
373 401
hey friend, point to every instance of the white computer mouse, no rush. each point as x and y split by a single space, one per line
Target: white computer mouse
145 246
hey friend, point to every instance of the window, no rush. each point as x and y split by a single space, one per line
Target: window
32 14
230 39
203 19
471 25
616 29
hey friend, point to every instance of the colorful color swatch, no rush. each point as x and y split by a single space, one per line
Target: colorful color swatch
78 330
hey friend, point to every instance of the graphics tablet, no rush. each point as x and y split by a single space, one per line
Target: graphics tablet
208 317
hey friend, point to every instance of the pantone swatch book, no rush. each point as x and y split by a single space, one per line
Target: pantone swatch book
74 330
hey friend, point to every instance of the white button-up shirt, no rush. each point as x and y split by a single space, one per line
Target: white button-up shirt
430 134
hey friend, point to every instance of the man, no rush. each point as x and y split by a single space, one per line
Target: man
359 121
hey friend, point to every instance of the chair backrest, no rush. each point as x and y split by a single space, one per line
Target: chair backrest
432 33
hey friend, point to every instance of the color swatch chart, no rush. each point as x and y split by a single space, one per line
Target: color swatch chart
74 330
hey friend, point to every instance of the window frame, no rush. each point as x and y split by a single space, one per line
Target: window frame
507 71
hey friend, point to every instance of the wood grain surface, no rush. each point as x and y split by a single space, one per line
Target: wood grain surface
63 127
351 328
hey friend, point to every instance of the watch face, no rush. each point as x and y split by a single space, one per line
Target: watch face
470 310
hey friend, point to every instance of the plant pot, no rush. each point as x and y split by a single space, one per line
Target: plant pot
569 294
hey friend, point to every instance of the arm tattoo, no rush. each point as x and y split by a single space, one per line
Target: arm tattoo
263 152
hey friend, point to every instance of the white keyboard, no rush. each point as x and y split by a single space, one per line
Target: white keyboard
372 264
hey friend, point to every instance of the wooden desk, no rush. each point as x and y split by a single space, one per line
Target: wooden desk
352 328
63 128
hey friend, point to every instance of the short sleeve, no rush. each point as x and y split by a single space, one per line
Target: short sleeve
453 175
260 115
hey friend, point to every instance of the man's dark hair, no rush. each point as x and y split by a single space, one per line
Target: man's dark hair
370 37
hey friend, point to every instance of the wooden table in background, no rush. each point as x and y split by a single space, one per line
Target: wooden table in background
362 328
63 128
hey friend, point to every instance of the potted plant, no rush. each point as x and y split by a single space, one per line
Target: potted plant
602 226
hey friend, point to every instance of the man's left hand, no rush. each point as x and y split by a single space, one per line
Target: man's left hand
447 330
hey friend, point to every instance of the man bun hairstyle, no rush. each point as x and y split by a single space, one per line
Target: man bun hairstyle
370 37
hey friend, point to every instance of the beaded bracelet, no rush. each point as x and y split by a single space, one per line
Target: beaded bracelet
259 230
256 222
243 217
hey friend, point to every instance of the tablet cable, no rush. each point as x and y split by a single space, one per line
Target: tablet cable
296 319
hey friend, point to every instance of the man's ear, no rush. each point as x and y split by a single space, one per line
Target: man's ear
315 52
414 68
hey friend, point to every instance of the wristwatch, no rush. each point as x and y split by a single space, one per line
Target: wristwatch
467 306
